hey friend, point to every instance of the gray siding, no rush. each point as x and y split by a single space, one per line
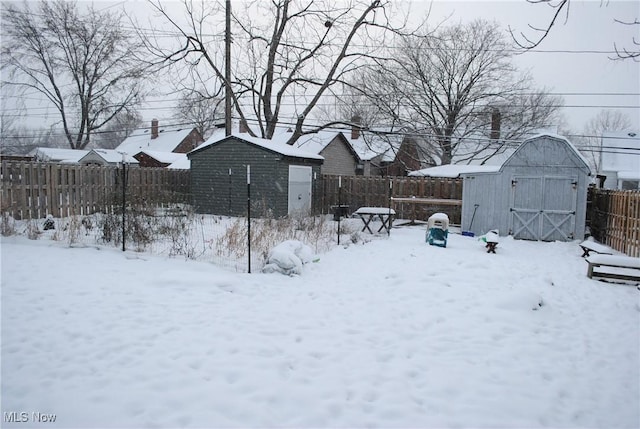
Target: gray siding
544 172
339 160
215 191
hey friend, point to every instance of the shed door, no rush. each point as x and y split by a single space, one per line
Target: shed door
299 189
543 208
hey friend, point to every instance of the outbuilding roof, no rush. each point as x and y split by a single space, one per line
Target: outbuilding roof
274 145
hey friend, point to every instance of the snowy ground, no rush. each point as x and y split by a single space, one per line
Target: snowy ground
391 333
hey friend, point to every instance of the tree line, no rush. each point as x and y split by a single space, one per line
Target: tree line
309 64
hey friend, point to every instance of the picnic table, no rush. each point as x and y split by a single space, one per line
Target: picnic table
368 214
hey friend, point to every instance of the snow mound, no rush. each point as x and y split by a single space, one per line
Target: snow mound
521 300
288 258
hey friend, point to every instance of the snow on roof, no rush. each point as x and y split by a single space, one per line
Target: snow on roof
167 140
620 152
183 163
278 144
315 143
50 154
372 145
629 174
110 156
453 171
165 157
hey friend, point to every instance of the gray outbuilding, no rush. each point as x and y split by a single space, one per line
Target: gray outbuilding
281 177
539 193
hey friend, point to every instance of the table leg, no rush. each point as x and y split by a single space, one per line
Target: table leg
366 221
384 219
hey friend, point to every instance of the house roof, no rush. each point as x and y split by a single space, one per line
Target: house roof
110 156
453 170
620 152
277 145
167 140
183 163
164 157
50 154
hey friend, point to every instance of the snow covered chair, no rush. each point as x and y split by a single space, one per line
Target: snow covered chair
438 229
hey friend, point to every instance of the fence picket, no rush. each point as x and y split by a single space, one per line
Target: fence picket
32 190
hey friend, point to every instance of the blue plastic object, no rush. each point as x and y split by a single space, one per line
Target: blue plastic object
437 237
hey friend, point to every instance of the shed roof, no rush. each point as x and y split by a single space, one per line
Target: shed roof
570 145
274 145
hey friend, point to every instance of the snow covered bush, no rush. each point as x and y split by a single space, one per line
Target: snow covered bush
288 258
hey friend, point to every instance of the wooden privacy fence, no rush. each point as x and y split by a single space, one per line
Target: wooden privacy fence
33 190
614 219
376 191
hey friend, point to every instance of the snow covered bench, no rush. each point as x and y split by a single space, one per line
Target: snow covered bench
589 246
617 267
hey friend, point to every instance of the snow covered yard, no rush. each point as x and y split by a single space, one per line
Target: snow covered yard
391 333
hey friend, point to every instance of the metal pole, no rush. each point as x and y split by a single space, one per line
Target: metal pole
124 179
229 212
227 69
339 205
249 215
390 188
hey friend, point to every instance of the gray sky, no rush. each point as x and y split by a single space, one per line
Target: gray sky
574 61
561 68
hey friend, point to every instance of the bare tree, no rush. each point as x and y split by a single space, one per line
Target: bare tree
560 8
81 61
605 121
292 53
455 86
202 110
118 129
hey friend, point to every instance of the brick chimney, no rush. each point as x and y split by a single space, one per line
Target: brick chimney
495 123
355 129
243 127
154 129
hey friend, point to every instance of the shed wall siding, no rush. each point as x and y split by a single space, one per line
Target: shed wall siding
215 191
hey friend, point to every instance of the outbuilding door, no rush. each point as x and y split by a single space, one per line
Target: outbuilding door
543 208
299 189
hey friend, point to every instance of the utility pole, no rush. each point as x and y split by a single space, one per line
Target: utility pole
227 69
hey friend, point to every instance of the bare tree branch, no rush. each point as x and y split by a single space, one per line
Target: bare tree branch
83 63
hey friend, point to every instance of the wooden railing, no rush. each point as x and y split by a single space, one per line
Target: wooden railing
614 219
33 190
376 191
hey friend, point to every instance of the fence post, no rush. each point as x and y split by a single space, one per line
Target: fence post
249 216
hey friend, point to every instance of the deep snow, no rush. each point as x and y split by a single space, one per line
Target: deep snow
391 333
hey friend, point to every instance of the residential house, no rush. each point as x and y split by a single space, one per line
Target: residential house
159 139
619 166
57 155
107 157
153 158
